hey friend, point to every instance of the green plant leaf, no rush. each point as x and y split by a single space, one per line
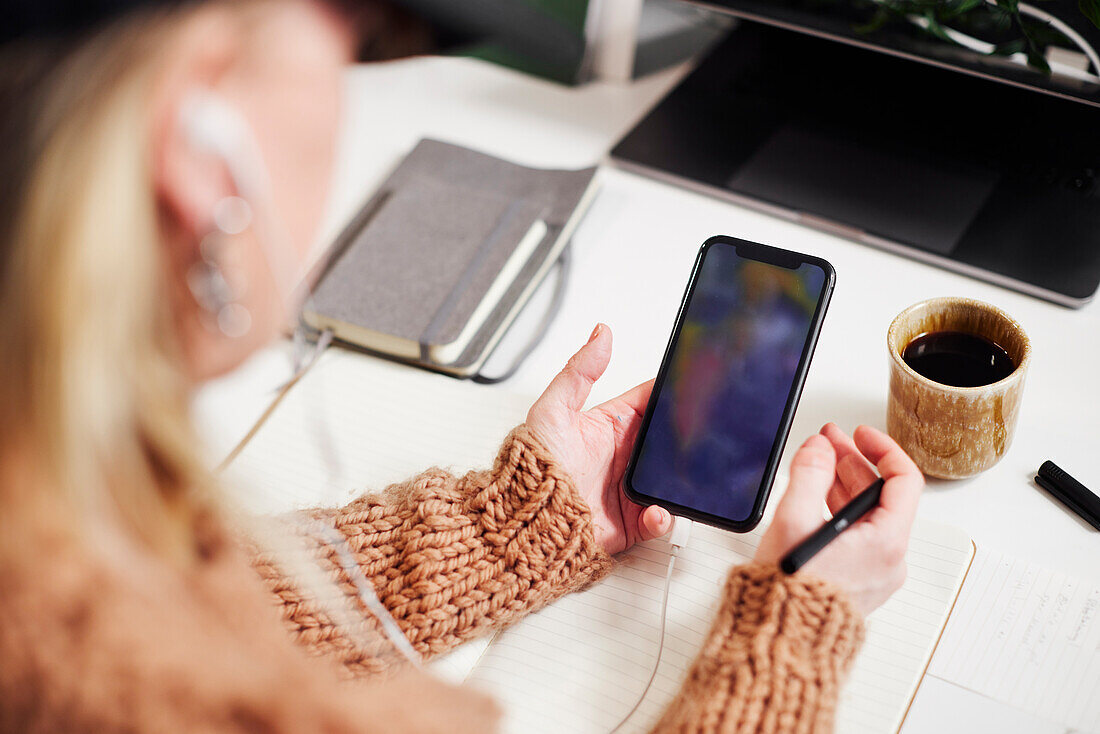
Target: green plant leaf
1035 57
955 8
877 21
1001 18
936 29
1008 48
1091 10
1039 62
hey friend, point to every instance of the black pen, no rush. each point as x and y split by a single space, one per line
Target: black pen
860 505
1069 492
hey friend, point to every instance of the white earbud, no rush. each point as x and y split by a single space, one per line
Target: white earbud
215 126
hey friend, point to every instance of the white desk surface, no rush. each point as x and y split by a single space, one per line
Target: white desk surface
632 257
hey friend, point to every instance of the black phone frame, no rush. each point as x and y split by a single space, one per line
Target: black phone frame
772 256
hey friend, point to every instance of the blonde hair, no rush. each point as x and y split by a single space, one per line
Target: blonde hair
90 383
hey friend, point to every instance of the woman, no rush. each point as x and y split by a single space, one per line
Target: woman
139 256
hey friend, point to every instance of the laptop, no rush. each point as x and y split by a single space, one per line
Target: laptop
988 177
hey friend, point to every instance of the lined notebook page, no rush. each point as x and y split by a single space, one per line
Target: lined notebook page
1028 636
580 664
355 424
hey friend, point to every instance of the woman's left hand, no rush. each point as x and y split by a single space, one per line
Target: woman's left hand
594 445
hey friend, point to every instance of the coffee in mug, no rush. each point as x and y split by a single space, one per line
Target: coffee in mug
957 369
958 359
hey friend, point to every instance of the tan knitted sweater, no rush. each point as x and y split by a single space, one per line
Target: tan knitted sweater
87 648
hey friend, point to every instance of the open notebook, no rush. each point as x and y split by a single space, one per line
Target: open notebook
355 423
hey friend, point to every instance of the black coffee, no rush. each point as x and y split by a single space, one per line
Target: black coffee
959 359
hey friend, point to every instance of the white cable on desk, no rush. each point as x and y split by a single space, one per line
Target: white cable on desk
681 532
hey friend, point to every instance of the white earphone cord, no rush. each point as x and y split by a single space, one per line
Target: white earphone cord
366 592
681 532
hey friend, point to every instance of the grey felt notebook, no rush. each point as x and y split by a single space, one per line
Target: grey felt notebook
436 265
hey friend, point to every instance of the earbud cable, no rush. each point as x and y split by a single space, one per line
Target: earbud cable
681 533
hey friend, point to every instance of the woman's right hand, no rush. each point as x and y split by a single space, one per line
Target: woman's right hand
868 559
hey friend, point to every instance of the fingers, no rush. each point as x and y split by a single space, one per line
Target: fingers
842 443
904 480
855 473
813 469
653 522
633 400
571 386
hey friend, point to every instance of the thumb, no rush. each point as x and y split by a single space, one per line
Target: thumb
653 522
571 386
813 471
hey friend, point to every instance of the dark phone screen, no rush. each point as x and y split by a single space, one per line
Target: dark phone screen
728 381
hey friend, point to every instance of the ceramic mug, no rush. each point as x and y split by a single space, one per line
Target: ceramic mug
954 432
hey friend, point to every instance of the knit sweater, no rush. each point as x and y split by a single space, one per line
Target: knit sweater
85 646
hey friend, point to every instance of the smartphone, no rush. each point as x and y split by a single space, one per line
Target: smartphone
725 396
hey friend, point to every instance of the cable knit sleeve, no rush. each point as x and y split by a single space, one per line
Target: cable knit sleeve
774 660
451 557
